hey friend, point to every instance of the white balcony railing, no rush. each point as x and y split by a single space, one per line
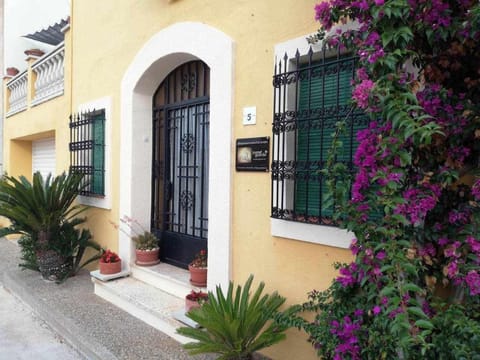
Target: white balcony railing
18 93
50 75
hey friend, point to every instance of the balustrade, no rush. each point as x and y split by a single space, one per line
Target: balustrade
49 83
50 76
18 93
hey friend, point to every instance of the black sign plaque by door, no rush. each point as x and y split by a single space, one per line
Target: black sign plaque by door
252 154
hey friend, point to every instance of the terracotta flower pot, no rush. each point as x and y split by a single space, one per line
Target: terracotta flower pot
147 257
12 71
34 52
191 303
198 276
110 268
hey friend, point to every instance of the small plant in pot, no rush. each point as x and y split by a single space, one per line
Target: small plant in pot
195 299
198 269
146 243
110 263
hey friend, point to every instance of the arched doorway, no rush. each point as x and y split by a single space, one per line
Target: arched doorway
181 108
161 54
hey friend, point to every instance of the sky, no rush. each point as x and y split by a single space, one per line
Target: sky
24 17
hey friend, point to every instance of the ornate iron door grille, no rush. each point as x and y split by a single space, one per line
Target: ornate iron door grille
180 163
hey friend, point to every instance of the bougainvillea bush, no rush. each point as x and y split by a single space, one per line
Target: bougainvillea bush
412 291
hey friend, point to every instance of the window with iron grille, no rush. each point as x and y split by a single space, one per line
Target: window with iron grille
311 94
87 150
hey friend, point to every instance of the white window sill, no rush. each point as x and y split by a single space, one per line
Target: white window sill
316 234
99 202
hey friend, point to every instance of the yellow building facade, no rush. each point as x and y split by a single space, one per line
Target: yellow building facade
116 57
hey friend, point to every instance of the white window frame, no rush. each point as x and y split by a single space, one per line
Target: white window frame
103 202
312 233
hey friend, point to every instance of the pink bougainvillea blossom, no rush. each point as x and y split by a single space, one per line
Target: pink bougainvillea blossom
361 93
473 282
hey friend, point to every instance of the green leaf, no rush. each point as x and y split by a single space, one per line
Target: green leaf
417 311
386 268
387 291
387 37
424 324
412 287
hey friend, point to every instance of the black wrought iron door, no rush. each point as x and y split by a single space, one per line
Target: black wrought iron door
180 163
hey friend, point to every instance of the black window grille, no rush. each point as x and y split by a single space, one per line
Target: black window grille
87 150
311 94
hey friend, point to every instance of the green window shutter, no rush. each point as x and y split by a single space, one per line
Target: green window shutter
98 154
324 99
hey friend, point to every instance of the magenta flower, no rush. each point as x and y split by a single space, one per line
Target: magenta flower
451 269
347 275
474 244
476 190
473 282
358 313
354 247
322 14
361 93
346 332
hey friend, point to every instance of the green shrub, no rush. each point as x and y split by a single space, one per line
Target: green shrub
40 207
43 213
236 325
455 335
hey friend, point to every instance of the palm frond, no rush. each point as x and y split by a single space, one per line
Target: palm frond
236 324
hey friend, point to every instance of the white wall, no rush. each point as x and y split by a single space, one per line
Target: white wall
24 17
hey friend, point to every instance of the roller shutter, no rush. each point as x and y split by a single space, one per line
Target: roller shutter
43 156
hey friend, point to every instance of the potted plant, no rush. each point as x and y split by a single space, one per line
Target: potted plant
12 71
44 214
198 269
146 244
195 299
146 249
110 263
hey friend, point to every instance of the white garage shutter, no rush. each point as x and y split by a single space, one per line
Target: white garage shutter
43 156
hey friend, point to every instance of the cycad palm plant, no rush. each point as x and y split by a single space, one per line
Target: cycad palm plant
38 209
236 325
43 212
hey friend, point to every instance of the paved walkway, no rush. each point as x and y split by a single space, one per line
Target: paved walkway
92 326
24 336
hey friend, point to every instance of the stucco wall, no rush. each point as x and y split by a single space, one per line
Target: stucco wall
107 35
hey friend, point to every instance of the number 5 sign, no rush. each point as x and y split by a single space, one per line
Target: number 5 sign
250 115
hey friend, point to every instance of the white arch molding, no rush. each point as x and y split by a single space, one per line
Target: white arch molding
166 50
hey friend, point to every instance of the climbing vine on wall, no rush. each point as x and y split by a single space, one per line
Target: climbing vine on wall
412 291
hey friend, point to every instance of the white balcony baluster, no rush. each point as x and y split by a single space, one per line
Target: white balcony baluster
50 76
18 94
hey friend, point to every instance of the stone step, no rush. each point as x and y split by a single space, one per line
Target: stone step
165 277
156 307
